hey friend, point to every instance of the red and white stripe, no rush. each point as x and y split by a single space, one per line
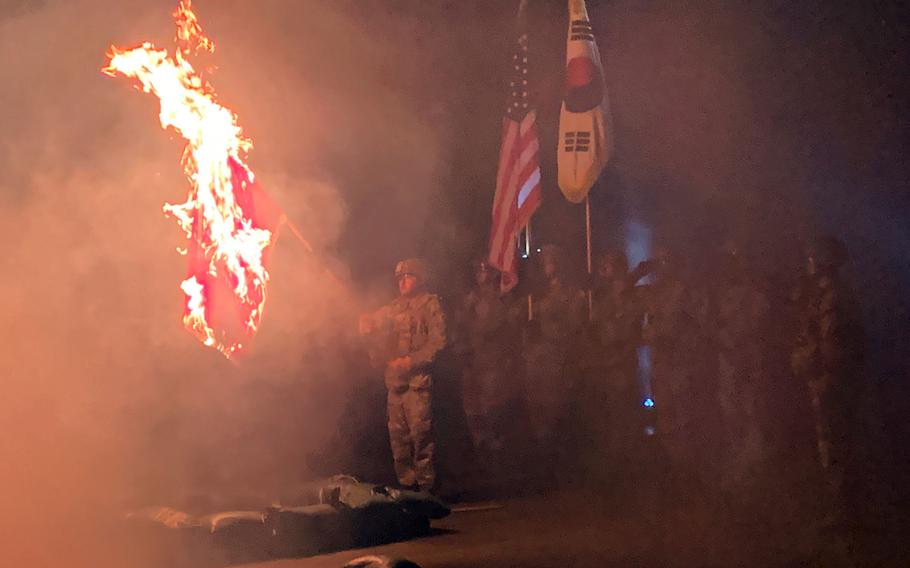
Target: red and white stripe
517 194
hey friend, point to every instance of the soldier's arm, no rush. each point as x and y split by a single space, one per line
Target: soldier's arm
373 328
372 323
436 339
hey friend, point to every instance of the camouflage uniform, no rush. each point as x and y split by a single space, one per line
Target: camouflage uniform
827 357
413 327
548 377
486 342
673 327
611 396
740 314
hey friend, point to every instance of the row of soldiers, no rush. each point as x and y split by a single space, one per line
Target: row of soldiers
557 372
720 348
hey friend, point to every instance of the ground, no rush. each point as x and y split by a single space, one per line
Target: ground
586 528
652 517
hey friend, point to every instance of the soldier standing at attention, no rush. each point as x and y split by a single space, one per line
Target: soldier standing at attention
611 393
487 342
673 328
828 359
406 337
740 313
549 376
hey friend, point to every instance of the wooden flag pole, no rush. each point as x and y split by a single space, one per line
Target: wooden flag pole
528 256
297 234
325 268
588 241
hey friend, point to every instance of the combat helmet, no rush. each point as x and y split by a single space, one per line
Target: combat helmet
413 266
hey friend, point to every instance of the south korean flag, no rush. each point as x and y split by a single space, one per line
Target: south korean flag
585 126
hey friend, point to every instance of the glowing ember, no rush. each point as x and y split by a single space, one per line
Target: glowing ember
227 240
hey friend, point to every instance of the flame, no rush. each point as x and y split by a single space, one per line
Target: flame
189 31
214 220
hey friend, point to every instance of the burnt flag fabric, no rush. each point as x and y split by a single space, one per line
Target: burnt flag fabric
585 126
518 176
233 317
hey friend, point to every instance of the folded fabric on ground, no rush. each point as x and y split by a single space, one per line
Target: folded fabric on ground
346 514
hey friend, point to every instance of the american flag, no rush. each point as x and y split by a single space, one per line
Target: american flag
518 177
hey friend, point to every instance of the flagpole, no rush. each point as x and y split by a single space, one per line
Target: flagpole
325 268
297 234
528 256
588 242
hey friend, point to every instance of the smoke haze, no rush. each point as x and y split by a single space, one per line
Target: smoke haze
109 403
375 126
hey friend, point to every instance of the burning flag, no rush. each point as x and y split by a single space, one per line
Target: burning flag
229 221
585 127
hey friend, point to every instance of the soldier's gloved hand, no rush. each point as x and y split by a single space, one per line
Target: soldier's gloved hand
365 325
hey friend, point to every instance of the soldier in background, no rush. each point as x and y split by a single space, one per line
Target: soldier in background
548 376
827 358
487 342
406 337
740 311
611 396
674 328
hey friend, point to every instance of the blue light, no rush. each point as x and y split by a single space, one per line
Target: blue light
648 403
638 237
649 430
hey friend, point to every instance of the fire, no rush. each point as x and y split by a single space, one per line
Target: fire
225 242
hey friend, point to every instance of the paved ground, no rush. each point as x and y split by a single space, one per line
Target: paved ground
583 529
648 522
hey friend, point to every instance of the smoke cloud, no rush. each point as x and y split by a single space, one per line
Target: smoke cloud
109 403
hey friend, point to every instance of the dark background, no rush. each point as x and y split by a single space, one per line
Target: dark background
770 123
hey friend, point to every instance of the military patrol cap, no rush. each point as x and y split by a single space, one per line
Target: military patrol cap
413 266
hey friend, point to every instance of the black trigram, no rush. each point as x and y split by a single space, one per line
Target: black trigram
577 141
581 29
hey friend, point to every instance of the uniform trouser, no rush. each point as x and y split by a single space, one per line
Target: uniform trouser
485 395
830 435
607 407
744 448
411 432
671 383
544 399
